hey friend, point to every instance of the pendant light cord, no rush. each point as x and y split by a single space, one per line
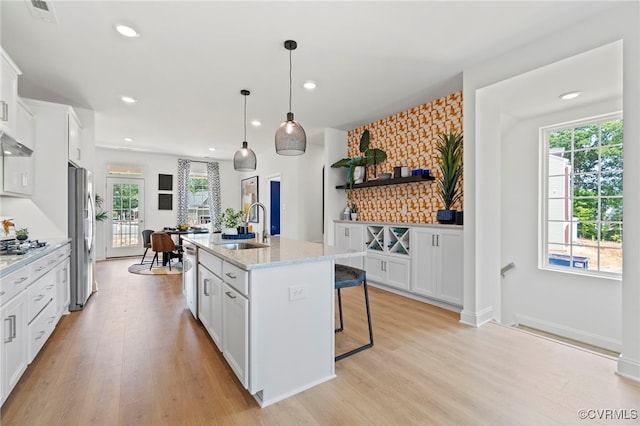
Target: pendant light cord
290 80
245 118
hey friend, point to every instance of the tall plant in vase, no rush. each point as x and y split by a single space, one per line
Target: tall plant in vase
356 167
450 148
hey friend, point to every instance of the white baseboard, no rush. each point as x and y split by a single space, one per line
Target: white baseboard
628 368
476 319
404 293
570 333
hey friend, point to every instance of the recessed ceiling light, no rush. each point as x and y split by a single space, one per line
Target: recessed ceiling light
128 139
256 123
128 100
126 31
570 95
212 149
309 85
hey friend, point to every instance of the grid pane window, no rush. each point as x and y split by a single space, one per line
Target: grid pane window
198 199
125 215
583 197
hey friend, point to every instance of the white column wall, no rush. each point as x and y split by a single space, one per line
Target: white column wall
335 148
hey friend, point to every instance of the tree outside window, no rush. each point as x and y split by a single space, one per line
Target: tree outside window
584 196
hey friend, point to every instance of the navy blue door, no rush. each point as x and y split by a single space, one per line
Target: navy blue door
275 207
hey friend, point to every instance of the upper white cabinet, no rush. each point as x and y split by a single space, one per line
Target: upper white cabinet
9 73
25 125
74 139
350 235
437 271
17 170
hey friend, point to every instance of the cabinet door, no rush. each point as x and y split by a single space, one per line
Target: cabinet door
351 237
25 126
8 95
235 311
423 256
375 268
398 272
204 296
74 139
450 279
62 292
14 343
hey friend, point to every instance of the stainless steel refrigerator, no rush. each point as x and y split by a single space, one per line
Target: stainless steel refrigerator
81 225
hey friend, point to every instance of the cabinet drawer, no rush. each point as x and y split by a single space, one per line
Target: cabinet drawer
42 266
236 277
213 263
61 254
40 329
13 284
39 295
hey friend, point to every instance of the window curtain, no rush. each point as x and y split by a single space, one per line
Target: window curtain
213 180
184 170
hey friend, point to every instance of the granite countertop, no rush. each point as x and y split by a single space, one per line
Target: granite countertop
281 251
11 263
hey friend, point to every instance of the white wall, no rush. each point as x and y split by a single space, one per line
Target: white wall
300 190
335 148
153 165
481 259
580 307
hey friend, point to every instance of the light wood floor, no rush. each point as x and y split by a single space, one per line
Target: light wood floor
135 356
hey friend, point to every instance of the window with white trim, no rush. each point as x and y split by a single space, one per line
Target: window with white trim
582 196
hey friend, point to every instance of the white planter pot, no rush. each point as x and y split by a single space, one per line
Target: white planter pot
354 216
230 231
358 174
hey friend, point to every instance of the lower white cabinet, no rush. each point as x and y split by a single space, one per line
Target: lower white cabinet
437 271
14 343
235 323
350 235
389 270
62 287
210 304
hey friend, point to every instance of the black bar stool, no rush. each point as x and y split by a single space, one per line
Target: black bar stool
348 276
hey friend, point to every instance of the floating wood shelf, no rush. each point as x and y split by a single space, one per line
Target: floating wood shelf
396 181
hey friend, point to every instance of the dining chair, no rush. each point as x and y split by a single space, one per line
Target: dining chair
161 242
146 242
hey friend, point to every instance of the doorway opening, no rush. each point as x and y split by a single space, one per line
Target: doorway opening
273 195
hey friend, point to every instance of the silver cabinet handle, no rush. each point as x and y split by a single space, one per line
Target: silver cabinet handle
10 327
20 281
346 232
51 319
230 275
41 268
228 293
39 297
206 287
438 240
14 326
42 333
4 111
49 287
2 293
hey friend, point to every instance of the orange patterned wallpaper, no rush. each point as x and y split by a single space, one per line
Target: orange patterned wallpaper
407 138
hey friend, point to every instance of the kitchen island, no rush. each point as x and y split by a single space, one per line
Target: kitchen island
269 310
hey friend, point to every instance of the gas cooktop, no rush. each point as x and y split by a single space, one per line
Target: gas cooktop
17 247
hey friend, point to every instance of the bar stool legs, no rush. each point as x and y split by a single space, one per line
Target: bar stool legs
341 328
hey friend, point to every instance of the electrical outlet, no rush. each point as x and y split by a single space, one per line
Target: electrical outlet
297 292
403 211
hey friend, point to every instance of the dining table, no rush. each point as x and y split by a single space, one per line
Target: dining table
180 233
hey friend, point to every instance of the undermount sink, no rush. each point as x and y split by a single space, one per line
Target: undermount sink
241 245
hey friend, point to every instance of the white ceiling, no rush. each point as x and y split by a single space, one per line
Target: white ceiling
370 60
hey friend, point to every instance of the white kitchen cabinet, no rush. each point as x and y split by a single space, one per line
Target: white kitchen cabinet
25 127
235 322
390 270
14 342
210 304
350 235
437 270
9 73
17 171
62 287
74 139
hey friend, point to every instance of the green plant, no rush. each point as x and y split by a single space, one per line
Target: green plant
101 215
22 232
230 218
370 157
450 148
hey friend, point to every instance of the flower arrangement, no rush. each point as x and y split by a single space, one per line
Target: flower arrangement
229 218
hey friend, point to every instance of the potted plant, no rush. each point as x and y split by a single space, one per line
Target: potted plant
354 212
22 234
229 220
450 148
356 172
101 215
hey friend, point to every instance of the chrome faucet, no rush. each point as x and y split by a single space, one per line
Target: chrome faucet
264 236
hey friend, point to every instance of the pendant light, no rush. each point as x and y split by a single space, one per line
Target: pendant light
290 136
244 159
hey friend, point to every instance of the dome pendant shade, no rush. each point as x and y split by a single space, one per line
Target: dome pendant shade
244 160
290 137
